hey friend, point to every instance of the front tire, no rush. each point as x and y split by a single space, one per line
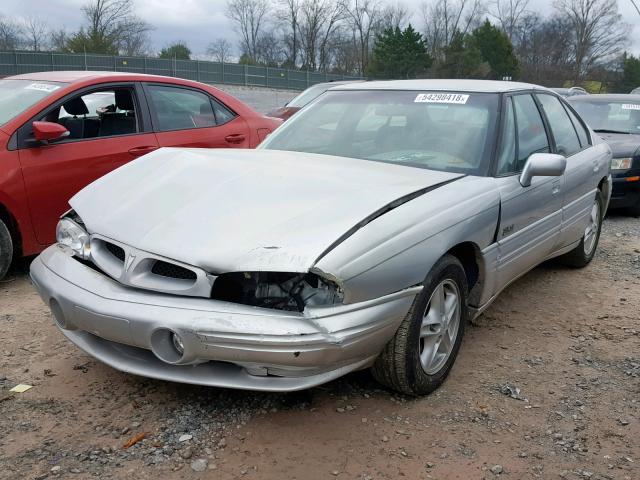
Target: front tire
422 352
582 255
6 249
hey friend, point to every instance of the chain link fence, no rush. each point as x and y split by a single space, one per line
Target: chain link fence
18 62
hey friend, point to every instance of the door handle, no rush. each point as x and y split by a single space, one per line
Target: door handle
138 151
235 138
555 187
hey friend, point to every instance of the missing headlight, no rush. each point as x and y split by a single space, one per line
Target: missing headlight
277 290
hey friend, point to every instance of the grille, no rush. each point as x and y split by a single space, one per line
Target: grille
170 270
115 250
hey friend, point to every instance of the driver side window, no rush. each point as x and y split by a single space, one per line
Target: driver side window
100 113
531 136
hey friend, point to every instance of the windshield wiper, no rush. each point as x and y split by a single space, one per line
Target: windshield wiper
606 130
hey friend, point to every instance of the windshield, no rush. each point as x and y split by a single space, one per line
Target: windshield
18 95
308 95
445 131
620 116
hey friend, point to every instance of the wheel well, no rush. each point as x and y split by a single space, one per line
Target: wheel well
11 223
603 185
469 255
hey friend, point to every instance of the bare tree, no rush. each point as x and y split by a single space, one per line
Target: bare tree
269 49
334 14
318 20
220 50
392 16
445 19
541 46
509 13
598 31
10 34
35 33
58 40
112 26
249 17
288 15
362 16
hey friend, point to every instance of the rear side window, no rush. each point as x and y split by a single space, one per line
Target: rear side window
532 137
582 132
564 133
181 109
222 113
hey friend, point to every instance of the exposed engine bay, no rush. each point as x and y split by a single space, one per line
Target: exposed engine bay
276 290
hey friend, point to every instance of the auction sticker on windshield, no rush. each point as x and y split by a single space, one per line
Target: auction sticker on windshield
457 98
631 106
43 87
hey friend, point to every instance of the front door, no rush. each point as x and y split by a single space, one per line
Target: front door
530 217
105 132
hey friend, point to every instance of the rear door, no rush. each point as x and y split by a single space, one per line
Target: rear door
107 129
581 176
530 217
189 117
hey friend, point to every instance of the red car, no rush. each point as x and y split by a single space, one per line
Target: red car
59 131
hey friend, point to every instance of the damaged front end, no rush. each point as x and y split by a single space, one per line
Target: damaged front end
277 290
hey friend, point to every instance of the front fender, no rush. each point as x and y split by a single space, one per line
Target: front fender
397 250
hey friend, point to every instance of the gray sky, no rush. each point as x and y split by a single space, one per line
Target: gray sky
200 21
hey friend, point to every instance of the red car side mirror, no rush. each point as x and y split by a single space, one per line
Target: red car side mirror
49 131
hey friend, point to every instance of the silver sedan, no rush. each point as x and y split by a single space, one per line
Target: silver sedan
363 233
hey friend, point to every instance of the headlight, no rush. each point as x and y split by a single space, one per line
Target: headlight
276 290
72 235
621 163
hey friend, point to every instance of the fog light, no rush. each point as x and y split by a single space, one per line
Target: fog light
177 343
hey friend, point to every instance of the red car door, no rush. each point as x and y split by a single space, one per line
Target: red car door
188 117
106 130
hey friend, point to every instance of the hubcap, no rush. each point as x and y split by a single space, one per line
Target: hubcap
439 328
591 231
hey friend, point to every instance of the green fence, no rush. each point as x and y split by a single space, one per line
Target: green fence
18 62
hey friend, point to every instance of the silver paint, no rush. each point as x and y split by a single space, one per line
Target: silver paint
217 211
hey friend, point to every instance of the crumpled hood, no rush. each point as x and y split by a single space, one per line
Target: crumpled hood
242 210
622 145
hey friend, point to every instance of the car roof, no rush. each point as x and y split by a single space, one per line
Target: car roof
479 86
74 76
606 97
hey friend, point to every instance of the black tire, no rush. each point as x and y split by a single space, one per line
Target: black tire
577 257
6 249
399 366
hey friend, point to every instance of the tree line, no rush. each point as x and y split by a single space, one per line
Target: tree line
578 40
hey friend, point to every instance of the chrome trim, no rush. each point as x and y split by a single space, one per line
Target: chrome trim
136 270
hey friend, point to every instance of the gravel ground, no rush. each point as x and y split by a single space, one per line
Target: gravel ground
546 386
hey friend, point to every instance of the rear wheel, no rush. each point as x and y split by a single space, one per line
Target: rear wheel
6 249
584 252
420 355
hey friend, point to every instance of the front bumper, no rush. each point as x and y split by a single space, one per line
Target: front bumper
225 344
625 193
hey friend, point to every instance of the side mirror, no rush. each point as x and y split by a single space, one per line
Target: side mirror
542 165
46 132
